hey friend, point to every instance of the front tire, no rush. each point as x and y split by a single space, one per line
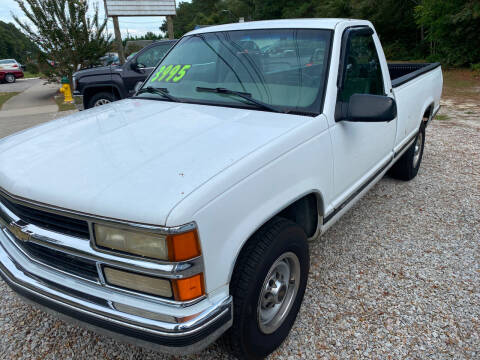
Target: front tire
10 78
101 98
267 286
406 168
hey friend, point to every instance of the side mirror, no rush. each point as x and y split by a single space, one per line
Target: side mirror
134 65
366 108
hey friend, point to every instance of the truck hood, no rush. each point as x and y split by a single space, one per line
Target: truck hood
99 70
134 159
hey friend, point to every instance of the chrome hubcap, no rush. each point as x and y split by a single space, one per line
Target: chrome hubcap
279 291
9 78
101 102
418 149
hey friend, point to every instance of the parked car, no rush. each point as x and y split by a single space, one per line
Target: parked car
10 70
11 64
102 85
183 213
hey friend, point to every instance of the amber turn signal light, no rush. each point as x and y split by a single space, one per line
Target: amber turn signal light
189 288
183 246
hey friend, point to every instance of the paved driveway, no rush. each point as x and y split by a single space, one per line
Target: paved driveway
20 85
33 106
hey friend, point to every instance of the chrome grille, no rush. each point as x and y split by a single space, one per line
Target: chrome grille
62 243
48 220
62 261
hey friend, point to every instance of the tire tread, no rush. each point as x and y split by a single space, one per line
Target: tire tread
251 255
403 169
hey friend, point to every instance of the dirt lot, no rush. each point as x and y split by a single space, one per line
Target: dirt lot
397 277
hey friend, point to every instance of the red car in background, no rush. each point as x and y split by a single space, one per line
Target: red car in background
10 70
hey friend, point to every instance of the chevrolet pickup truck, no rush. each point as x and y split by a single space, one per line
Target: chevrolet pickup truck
184 212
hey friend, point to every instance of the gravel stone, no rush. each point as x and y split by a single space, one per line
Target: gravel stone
397 277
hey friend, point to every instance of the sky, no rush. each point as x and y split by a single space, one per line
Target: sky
128 25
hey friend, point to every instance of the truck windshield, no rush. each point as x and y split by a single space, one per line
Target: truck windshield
278 69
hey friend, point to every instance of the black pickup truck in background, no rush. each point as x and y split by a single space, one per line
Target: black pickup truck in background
102 85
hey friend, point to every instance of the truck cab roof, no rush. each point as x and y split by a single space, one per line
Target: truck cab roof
318 23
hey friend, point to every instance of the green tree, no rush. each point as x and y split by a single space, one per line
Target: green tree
452 29
198 12
15 45
65 32
440 30
148 36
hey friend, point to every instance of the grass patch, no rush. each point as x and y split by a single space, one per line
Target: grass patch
64 106
442 117
4 96
29 75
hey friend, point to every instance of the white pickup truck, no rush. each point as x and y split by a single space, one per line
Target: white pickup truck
183 213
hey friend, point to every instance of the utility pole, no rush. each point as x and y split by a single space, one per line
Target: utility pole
170 26
118 39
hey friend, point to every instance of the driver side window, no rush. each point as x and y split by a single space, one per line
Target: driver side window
151 57
363 73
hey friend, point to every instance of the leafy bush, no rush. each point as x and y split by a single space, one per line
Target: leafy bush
32 67
476 68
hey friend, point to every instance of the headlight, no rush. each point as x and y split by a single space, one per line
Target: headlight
132 242
138 282
179 289
175 248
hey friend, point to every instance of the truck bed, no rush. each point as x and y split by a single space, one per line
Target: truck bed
402 73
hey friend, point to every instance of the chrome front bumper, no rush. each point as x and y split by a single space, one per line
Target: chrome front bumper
95 307
162 324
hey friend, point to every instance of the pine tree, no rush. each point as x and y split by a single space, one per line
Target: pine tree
65 33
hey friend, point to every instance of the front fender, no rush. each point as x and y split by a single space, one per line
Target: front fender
229 219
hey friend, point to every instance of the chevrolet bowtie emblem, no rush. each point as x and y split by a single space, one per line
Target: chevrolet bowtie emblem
19 231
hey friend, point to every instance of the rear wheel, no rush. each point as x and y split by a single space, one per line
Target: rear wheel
406 168
101 98
10 78
267 286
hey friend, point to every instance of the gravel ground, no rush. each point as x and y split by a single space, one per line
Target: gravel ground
397 277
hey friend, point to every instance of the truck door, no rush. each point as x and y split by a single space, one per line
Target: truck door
143 64
360 148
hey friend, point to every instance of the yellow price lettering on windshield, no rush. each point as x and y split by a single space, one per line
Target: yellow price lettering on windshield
181 73
170 72
165 72
157 74
173 72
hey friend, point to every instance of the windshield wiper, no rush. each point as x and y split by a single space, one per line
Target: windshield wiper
243 95
158 91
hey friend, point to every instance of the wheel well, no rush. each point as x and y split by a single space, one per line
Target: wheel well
305 213
428 112
89 92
